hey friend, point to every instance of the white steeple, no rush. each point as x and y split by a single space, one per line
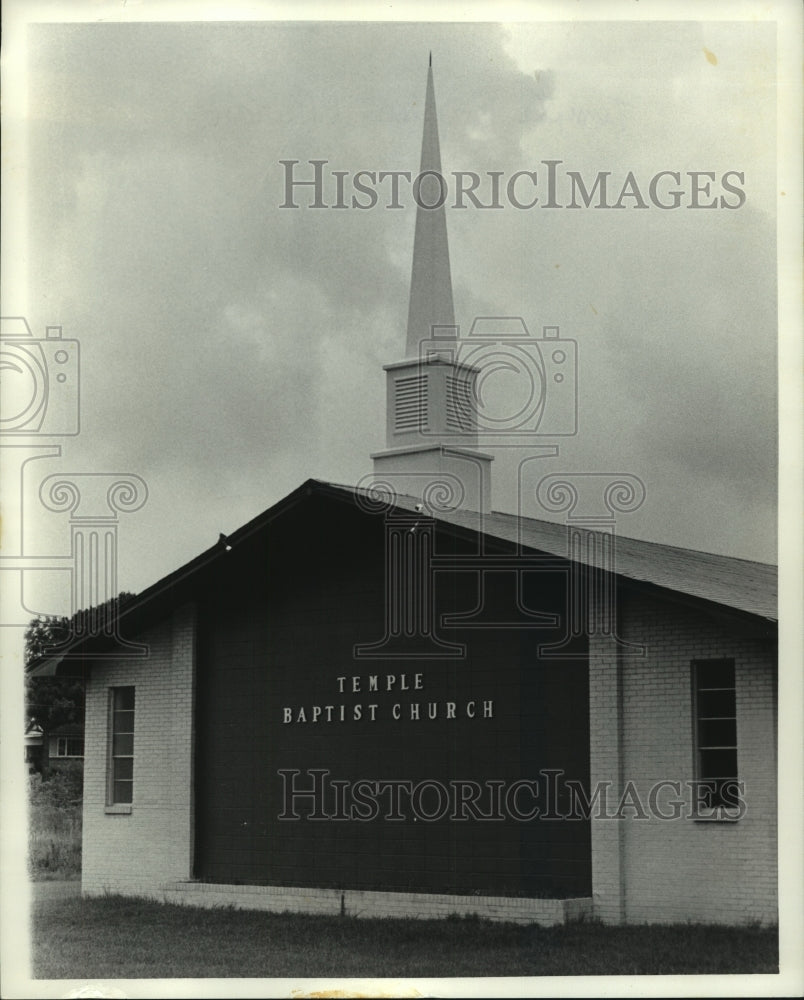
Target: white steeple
430 282
431 431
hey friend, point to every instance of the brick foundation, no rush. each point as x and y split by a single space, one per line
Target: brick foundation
353 903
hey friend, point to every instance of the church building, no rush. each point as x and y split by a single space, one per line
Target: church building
389 699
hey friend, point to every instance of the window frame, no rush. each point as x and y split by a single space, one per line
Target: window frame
717 808
115 693
66 741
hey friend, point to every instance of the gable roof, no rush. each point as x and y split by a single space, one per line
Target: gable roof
739 585
68 729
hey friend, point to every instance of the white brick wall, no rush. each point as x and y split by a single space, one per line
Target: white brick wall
678 870
130 852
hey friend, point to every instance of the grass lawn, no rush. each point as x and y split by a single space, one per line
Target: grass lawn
127 938
54 831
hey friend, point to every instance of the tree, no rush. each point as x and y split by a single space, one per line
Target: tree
57 701
43 633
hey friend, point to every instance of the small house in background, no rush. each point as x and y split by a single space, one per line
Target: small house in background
34 737
65 745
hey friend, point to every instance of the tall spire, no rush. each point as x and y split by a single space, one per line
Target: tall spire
431 282
431 434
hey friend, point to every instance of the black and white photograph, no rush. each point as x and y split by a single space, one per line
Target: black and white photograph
401 481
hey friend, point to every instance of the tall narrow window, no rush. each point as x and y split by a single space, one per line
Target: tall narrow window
715 726
120 787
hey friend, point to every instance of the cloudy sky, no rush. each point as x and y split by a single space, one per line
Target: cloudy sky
230 348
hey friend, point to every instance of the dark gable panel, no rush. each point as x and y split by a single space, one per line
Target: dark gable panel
277 630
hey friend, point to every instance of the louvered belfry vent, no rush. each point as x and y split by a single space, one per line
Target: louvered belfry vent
459 404
410 403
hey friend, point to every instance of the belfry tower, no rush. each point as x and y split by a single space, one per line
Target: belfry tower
431 427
